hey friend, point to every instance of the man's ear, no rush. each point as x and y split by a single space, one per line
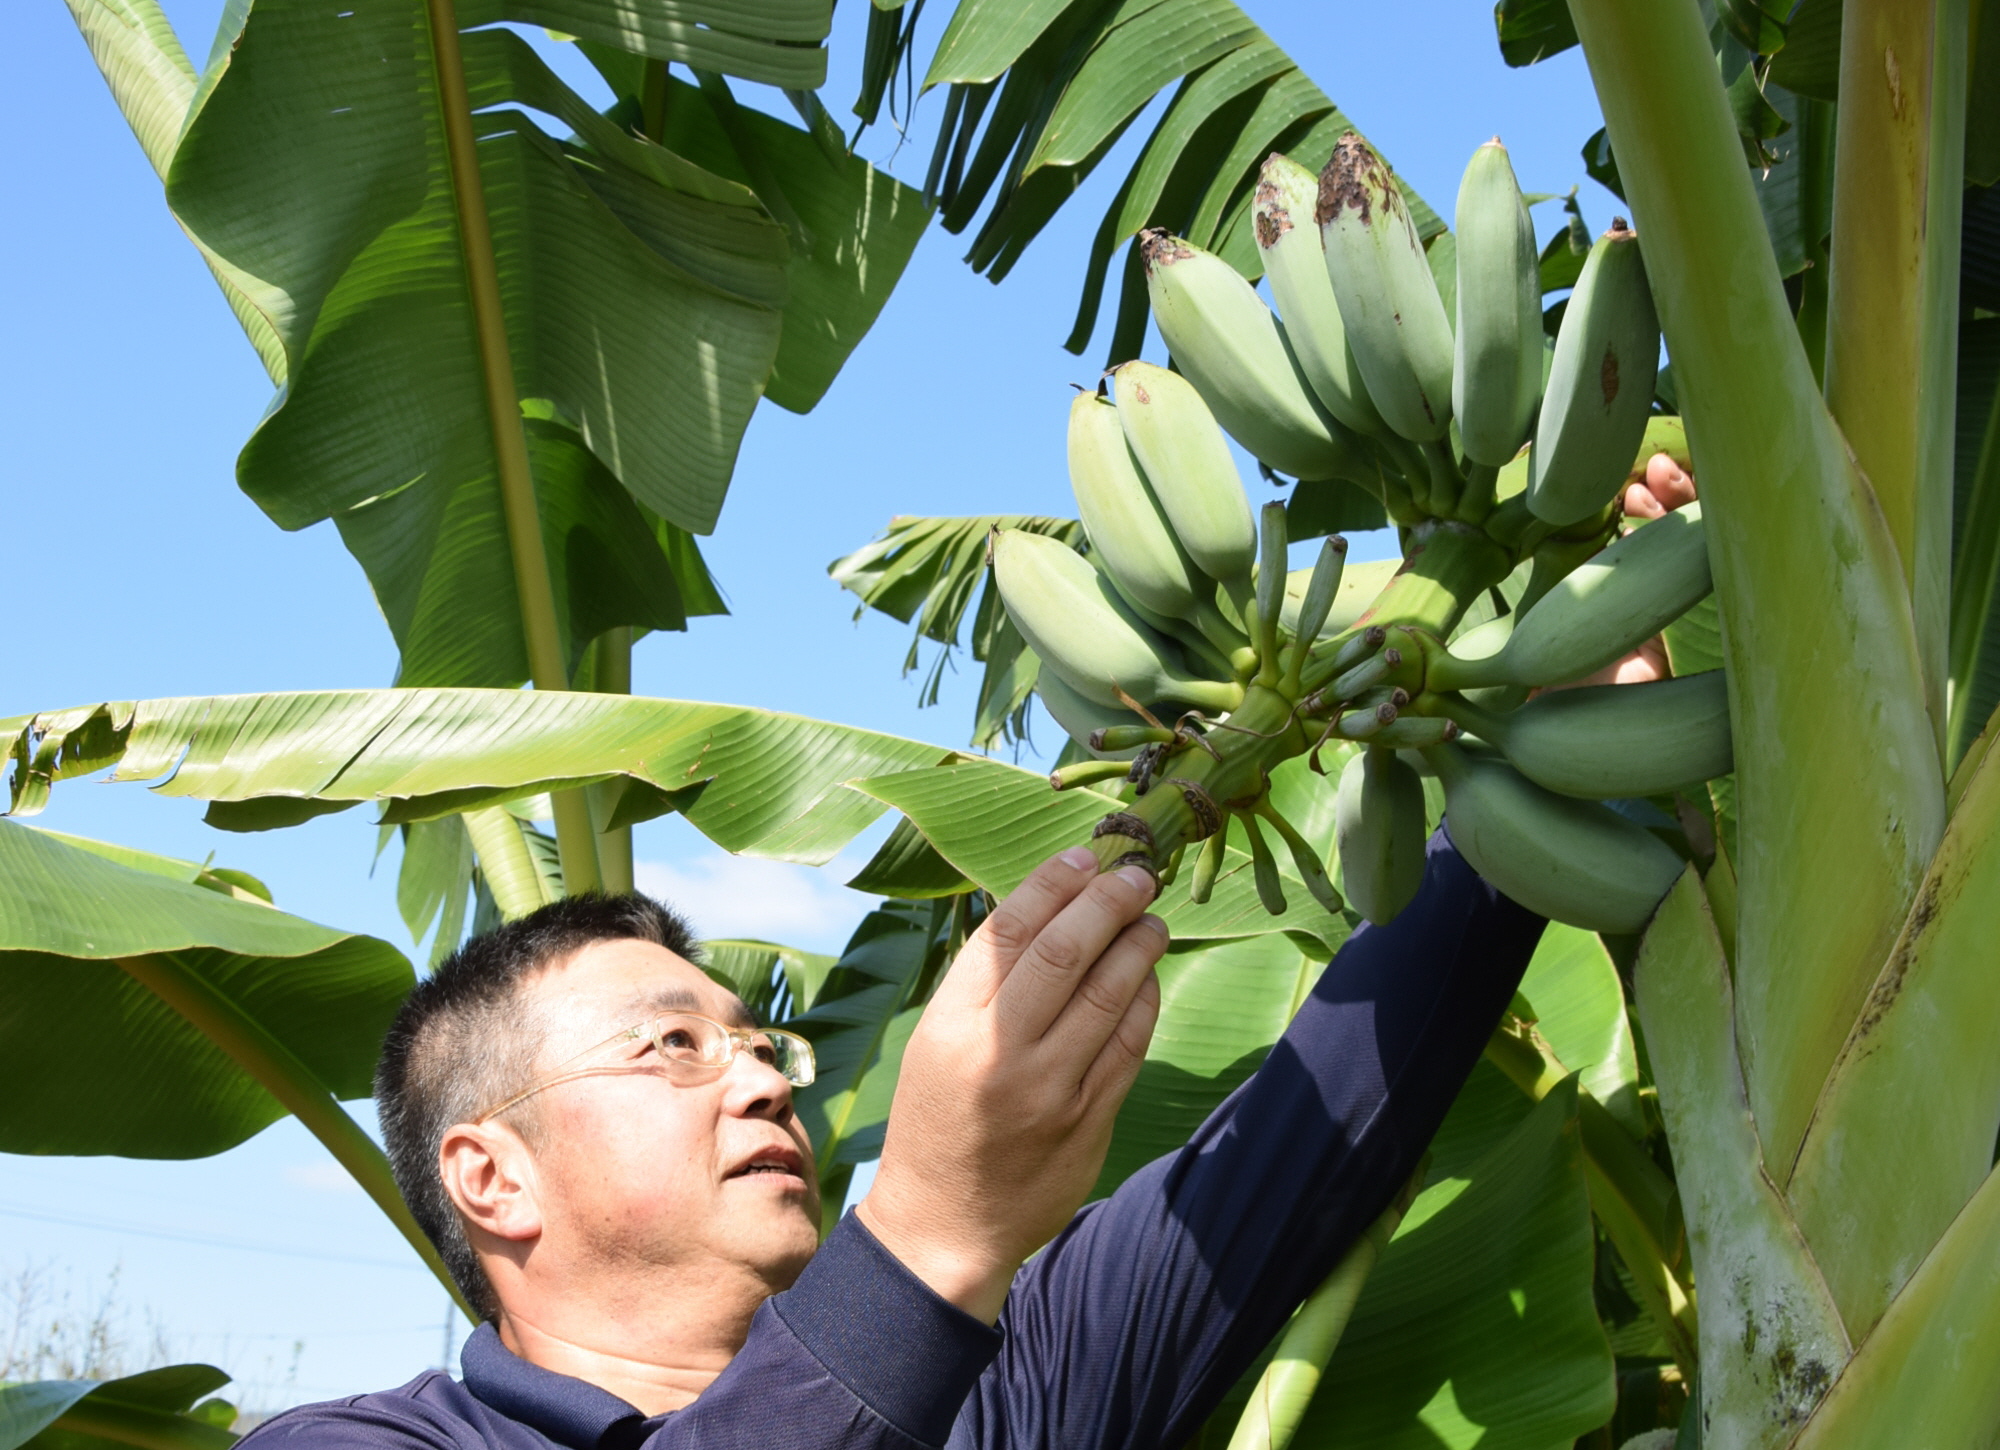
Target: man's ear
490 1175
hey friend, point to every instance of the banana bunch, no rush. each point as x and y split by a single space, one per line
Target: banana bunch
1185 660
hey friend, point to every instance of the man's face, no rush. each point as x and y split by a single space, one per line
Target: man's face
638 1167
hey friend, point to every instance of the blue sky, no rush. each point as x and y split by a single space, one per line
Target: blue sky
138 569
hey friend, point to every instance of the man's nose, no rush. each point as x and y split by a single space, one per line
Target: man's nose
754 1087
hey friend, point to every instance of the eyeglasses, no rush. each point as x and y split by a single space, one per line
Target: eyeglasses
685 1046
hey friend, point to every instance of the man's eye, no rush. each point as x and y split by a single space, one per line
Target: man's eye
678 1040
766 1053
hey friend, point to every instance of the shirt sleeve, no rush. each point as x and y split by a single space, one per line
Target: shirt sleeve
1130 1327
858 1354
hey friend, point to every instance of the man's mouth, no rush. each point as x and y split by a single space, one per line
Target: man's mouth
772 1160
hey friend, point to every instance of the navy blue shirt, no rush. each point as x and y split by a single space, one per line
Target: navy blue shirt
1124 1332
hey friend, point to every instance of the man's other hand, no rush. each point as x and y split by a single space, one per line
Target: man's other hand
1010 1082
1668 486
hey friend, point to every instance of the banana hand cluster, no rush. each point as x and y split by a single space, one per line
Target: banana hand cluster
1186 661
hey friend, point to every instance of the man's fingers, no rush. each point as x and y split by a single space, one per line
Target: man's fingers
1669 482
993 950
1106 992
1117 1066
1045 976
1640 502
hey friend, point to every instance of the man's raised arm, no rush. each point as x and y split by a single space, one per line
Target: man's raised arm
1132 1325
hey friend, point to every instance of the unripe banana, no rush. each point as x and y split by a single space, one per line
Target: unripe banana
1394 318
1606 741
1379 833
1497 372
1295 263
1572 861
1605 608
1230 346
1188 463
1082 718
1600 387
1074 620
1127 529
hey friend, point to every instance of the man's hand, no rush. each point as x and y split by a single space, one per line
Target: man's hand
1011 1080
1667 487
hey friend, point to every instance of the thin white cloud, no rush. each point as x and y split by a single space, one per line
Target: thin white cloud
321 1178
739 896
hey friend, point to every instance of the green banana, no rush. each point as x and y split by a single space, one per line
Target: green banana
1606 741
1379 833
1270 589
1230 346
1074 620
1572 861
1188 463
1264 868
1081 718
1605 608
1389 302
1497 371
1295 264
1127 528
1600 388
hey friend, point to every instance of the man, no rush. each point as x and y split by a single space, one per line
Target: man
604 1150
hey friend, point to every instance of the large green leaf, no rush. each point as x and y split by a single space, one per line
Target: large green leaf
755 781
926 571
860 1020
1478 1328
775 982
1221 1008
150 78
155 1410
1580 1012
644 293
996 823
627 275
859 225
1040 91
91 1061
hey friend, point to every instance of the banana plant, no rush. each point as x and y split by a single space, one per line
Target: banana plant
513 365
174 1408
214 1013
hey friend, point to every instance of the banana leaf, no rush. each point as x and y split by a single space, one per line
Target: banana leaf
160 1409
1039 92
926 571
1580 1012
1221 1007
754 781
859 1021
1478 1327
1876 1182
628 273
91 1061
996 823
775 982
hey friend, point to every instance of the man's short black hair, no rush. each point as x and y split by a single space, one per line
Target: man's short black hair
459 1044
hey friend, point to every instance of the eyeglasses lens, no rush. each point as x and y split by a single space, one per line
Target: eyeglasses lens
698 1042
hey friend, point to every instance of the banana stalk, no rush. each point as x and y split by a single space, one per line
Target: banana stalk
1832 742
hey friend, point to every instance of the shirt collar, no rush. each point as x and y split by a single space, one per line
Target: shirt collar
571 1412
